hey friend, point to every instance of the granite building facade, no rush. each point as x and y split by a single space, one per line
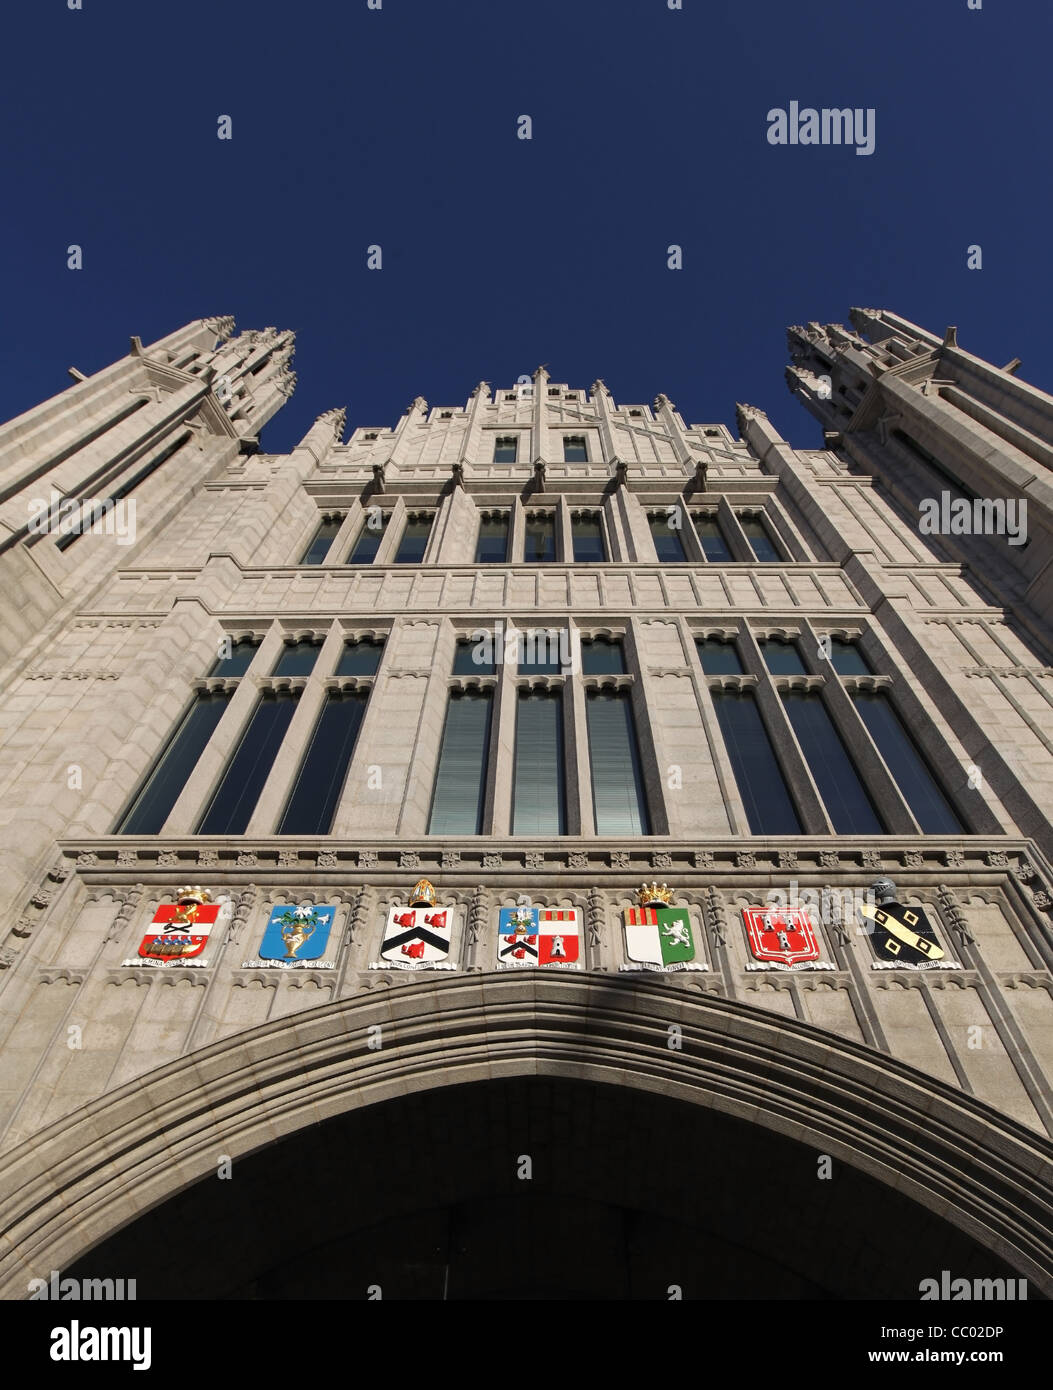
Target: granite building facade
537 650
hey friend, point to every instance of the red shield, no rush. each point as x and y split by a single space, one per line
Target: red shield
785 936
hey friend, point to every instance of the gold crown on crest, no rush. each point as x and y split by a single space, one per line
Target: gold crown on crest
193 895
651 893
422 894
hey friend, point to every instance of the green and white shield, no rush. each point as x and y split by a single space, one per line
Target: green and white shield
659 935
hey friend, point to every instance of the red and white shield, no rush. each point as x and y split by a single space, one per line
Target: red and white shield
417 934
783 935
557 935
187 934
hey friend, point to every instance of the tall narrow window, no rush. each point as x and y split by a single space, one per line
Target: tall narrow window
237 663
460 783
159 793
719 657
919 787
477 656
316 791
761 784
757 534
414 541
360 657
323 539
845 797
539 546
847 659
618 800
602 657
297 658
538 803
234 800
711 538
506 447
574 450
782 658
589 546
364 550
668 543
491 548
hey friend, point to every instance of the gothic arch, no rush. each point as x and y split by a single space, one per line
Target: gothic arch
84 1177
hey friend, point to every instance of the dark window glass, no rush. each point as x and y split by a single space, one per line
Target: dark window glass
589 548
159 793
364 550
539 545
241 654
919 787
537 798
719 658
618 801
782 658
414 542
757 535
574 449
762 786
602 657
667 541
492 546
476 656
460 783
323 539
850 808
541 650
312 801
297 659
360 658
234 800
711 537
506 448
847 659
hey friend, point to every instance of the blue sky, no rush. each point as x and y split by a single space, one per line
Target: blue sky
397 127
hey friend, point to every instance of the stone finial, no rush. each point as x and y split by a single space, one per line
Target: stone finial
482 390
662 402
336 419
950 338
222 326
745 413
599 387
285 381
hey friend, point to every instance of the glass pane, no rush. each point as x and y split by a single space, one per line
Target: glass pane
316 791
319 547
602 658
540 543
460 783
574 449
782 658
846 799
234 800
537 797
414 542
505 450
492 545
619 805
365 548
360 658
919 787
714 546
159 793
762 786
541 650
297 659
847 659
757 535
241 654
719 658
588 542
667 541
476 657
